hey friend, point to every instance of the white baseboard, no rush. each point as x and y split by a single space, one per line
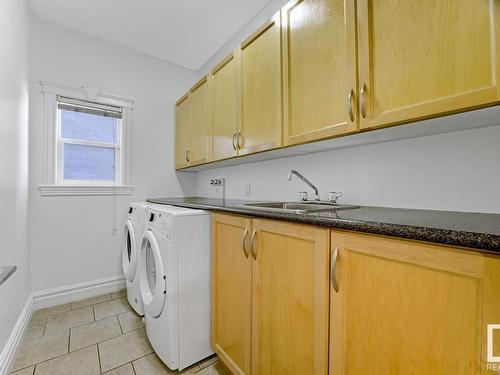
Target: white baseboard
75 292
10 347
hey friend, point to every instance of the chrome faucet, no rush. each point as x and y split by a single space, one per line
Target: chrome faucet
306 181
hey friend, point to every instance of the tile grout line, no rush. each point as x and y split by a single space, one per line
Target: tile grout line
100 366
45 360
69 335
131 362
99 358
120 324
69 329
96 343
45 335
111 338
91 304
50 359
45 326
65 329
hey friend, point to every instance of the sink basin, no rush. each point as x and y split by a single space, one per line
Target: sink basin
298 207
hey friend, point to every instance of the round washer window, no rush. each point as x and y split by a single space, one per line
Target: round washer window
150 268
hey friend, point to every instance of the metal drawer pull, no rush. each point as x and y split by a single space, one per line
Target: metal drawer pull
350 98
252 245
244 242
362 97
333 265
234 141
238 138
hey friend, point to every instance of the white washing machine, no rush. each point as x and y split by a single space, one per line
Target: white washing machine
175 284
134 229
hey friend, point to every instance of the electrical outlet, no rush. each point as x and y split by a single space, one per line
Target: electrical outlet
248 190
217 182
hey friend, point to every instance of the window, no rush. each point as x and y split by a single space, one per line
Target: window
88 143
86 137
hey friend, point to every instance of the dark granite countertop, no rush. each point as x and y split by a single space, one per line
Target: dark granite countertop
473 230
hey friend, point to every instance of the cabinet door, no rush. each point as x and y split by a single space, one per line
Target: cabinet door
231 292
419 59
200 123
290 299
182 124
319 40
261 126
404 307
225 108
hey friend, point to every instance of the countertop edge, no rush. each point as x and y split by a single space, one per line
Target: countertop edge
473 241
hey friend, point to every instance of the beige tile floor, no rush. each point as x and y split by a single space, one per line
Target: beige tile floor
98 335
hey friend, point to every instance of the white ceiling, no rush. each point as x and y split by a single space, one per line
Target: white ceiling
183 32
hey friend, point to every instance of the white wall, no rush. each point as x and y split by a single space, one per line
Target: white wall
71 237
14 34
456 171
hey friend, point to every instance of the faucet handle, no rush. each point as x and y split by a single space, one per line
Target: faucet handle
333 196
302 195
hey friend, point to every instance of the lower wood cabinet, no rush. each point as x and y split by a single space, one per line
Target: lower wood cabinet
295 299
231 292
404 307
290 299
273 277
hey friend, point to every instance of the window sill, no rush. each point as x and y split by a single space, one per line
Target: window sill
80 190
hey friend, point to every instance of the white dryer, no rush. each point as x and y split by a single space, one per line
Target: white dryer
175 284
134 229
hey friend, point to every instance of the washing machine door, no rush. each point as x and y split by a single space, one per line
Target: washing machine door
129 253
152 275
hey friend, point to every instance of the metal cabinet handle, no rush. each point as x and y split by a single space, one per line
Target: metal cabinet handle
252 247
234 141
187 155
350 98
333 265
238 138
362 98
244 242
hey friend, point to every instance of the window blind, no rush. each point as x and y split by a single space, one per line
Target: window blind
89 107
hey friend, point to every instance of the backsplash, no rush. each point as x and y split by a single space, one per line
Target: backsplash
455 171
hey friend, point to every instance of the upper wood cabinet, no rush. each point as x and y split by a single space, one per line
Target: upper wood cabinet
419 59
319 40
231 291
192 126
325 68
182 124
404 307
200 123
225 97
260 62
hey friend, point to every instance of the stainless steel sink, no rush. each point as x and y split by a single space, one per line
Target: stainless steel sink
298 207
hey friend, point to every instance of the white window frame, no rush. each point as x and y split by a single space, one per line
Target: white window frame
60 156
53 157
